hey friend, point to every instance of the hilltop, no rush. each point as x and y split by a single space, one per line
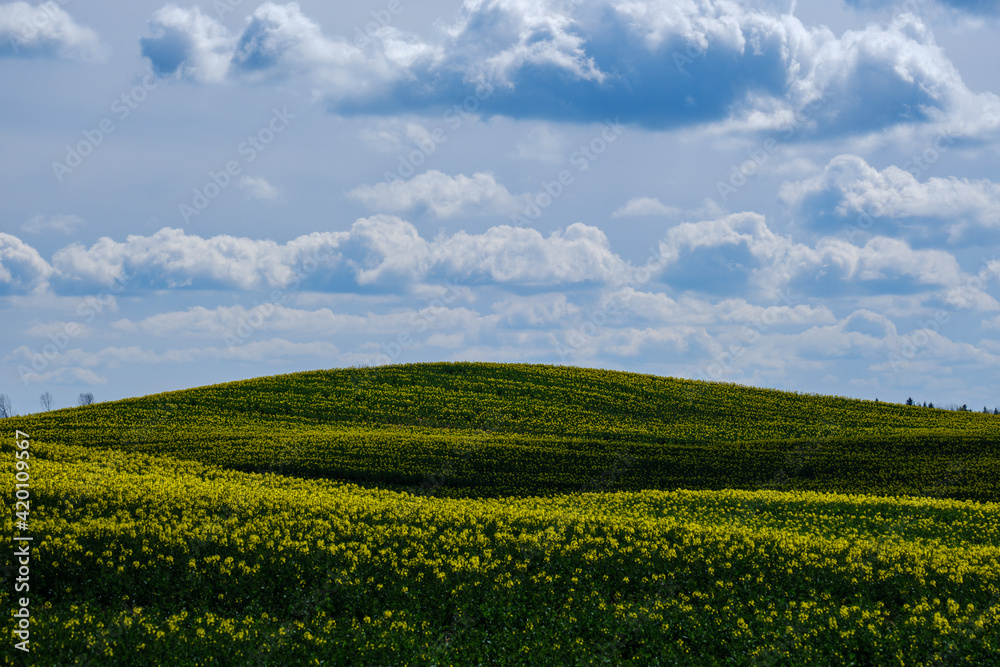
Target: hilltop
482 429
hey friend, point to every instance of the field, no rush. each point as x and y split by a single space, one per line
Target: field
440 514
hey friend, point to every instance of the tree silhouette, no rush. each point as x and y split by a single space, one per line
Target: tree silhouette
46 401
909 401
5 408
86 398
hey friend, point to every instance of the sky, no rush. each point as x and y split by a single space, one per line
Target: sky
790 195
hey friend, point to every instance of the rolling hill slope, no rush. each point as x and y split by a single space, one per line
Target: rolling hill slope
478 429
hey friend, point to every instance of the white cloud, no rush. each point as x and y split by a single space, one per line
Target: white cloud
644 206
46 30
381 250
507 254
22 269
188 43
862 190
752 253
258 188
277 41
443 195
61 223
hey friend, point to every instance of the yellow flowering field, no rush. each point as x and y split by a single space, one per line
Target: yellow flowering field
164 561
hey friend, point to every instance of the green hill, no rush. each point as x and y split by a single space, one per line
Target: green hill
220 525
478 429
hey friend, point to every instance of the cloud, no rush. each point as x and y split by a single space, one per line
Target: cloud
235 321
654 63
733 256
978 7
381 252
258 188
443 195
739 254
61 223
277 42
22 269
46 31
541 144
72 360
851 193
644 206
65 375
188 44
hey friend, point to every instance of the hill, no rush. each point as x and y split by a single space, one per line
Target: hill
592 519
479 429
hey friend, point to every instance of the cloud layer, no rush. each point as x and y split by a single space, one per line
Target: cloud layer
383 252
656 63
737 255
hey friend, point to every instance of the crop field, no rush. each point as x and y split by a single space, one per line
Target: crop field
488 514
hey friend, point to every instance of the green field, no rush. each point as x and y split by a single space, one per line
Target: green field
435 514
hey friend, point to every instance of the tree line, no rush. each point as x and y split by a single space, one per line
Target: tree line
46 400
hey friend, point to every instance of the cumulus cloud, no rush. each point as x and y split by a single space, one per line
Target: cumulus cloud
380 252
63 224
853 193
740 253
189 44
660 64
443 195
46 31
644 206
277 41
22 269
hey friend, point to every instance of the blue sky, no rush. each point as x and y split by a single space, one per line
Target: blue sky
799 196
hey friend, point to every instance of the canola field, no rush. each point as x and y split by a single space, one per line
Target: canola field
255 524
